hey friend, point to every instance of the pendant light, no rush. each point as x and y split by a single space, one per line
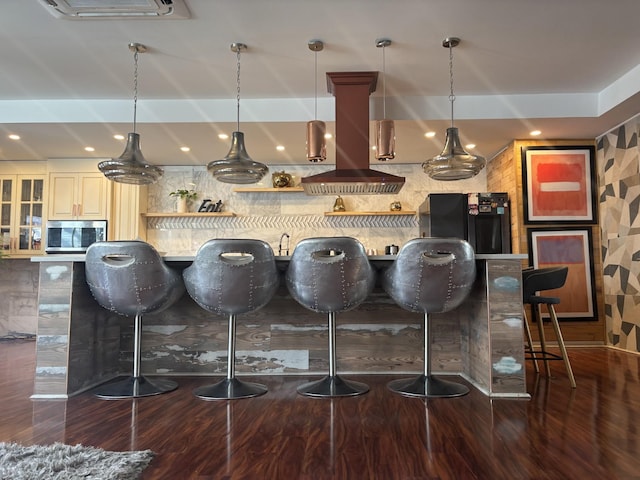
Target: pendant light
454 163
237 167
131 167
316 129
385 129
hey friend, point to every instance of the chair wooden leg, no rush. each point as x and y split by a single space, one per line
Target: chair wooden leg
543 342
563 348
527 332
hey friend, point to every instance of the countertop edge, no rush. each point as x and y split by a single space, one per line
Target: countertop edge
78 257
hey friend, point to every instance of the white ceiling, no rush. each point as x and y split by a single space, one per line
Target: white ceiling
570 68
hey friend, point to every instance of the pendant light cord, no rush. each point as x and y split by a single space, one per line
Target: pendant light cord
315 76
135 88
238 92
384 84
452 97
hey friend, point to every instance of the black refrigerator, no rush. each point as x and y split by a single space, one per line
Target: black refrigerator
483 219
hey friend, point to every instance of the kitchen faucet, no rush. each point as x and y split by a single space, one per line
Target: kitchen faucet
282 237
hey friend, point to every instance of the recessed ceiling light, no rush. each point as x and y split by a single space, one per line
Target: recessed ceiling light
118 136
430 134
470 146
328 135
13 136
223 136
535 133
280 148
185 149
90 149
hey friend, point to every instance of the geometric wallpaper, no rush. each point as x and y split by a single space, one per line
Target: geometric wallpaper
618 160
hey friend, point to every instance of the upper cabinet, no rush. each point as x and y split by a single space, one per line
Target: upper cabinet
21 214
78 196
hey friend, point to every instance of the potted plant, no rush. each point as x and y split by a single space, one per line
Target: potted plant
183 198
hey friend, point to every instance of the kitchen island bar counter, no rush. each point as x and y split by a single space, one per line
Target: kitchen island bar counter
80 344
76 257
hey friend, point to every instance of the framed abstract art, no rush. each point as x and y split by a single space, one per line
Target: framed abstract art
570 247
559 184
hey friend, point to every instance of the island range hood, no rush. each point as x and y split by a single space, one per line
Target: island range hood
352 175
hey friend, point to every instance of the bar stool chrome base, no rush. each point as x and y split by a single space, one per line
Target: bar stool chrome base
430 386
332 386
134 387
230 389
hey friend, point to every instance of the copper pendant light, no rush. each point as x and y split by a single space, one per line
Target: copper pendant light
453 163
237 167
316 129
131 167
385 129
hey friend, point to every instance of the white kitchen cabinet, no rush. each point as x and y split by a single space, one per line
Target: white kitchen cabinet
21 214
78 196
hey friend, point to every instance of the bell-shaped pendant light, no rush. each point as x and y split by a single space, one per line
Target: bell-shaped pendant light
454 163
385 129
131 167
316 129
237 167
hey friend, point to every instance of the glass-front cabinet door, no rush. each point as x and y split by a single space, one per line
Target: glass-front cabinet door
7 200
21 220
30 221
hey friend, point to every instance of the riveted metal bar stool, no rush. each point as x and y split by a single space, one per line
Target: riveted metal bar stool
130 278
330 275
231 277
533 282
430 275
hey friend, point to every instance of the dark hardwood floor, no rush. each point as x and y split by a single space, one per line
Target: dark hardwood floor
588 433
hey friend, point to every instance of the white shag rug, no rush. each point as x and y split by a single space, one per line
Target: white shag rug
67 462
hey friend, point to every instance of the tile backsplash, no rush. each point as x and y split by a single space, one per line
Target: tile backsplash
268 215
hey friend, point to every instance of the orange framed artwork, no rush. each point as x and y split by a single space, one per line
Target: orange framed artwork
559 184
569 247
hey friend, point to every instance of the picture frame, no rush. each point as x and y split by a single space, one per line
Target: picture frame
571 247
559 184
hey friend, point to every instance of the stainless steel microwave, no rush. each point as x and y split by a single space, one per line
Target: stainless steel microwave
73 236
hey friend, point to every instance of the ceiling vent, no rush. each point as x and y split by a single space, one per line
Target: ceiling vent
117 9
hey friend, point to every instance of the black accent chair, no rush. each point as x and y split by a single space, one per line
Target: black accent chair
533 282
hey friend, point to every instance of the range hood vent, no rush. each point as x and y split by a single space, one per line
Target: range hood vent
117 9
352 175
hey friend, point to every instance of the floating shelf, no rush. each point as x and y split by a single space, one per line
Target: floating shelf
188 214
269 189
363 214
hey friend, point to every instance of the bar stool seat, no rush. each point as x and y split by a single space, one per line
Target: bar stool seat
130 278
533 282
430 275
330 275
231 277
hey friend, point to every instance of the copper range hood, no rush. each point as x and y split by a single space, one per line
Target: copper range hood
352 175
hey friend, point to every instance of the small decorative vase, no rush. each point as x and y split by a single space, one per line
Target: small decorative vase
181 205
